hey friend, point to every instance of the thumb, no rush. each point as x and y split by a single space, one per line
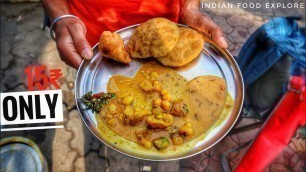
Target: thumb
218 37
77 32
209 27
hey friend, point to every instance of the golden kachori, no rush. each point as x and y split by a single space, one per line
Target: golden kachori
207 97
189 46
153 38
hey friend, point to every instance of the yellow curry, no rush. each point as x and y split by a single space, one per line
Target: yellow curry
159 109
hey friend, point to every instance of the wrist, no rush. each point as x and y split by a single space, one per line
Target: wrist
190 5
56 15
55 8
65 22
187 15
188 9
62 20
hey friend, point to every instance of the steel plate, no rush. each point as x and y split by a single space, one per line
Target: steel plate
94 75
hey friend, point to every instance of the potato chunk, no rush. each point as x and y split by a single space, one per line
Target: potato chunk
135 116
127 100
186 130
178 140
160 121
146 143
157 110
179 108
111 122
139 116
161 143
128 111
146 86
143 138
112 108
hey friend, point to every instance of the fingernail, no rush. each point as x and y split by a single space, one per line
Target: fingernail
223 42
87 53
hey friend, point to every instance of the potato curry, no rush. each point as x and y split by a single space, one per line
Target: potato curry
159 109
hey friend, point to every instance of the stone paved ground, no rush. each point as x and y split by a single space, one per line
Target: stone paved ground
74 148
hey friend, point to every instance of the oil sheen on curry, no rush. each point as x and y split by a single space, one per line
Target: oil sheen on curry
160 110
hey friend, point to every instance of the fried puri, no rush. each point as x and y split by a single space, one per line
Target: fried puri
153 38
189 46
111 46
209 92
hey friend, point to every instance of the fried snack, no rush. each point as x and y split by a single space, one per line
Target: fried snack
209 92
187 49
153 38
111 46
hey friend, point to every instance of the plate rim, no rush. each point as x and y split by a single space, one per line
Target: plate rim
242 94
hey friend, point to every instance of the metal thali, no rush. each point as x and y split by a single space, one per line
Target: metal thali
93 76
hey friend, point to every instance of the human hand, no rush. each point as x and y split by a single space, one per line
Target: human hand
197 20
71 41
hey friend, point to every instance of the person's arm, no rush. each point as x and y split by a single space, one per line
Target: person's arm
69 33
190 15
